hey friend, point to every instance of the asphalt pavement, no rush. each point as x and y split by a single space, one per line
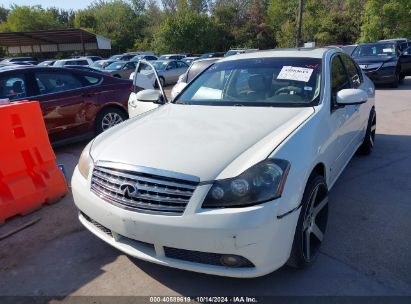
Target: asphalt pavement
367 248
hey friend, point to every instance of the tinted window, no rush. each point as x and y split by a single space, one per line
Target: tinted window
12 87
266 82
375 49
172 65
353 72
339 78
130 66
181 64
56 82
76 62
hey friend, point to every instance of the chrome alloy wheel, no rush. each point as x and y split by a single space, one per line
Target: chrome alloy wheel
315 222
373 129
110 120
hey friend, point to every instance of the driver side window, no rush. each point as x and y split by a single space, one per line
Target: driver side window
339 78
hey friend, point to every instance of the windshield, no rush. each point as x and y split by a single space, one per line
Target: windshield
115 66
375 49
159 65
164 57
270 82
137 58
115 57
98 64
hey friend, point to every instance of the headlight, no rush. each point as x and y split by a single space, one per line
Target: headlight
86 161
390 64
260 183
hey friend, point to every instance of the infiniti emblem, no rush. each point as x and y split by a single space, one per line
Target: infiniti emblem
129 190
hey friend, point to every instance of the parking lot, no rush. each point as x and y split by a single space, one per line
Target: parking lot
367 250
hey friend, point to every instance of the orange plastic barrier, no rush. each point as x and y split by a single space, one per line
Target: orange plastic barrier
29 176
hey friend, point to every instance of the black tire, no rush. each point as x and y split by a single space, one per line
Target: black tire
312 223
162 81
396 80
369 139
109 117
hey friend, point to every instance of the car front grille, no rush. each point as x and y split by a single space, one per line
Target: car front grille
143 189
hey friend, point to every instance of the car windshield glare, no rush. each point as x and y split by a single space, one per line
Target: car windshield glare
267 82
115 66
159 65
375 49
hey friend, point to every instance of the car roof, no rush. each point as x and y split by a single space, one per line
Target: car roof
300 52
166 60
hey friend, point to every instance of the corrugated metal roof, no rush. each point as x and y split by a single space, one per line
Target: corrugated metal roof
56 38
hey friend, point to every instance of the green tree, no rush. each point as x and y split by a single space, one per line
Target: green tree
117 20
30 18
281 17
386 19
3 14
187 31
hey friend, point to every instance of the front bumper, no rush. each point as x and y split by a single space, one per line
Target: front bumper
253 233
383 75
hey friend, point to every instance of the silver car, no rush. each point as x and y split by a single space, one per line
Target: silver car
120 69
169 70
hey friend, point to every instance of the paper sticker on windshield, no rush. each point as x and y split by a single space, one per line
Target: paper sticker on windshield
388 50
295 73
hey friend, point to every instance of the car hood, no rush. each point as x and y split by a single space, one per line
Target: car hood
374 59
210 142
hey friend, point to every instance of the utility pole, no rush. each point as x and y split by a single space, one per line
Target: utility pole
299 23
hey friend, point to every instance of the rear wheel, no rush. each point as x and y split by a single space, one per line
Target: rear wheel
312 223
368 143
162 81
109 117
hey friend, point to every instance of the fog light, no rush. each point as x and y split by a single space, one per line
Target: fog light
230 260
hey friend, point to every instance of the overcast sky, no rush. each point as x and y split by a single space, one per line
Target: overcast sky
66 4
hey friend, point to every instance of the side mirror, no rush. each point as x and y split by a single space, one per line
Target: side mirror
348 97
150 95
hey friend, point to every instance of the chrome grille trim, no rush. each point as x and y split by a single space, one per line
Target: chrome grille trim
158 191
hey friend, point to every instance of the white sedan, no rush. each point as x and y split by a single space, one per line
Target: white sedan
232 177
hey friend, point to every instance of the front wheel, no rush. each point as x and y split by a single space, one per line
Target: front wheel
162 81
396 80
369 140
312 223
109 117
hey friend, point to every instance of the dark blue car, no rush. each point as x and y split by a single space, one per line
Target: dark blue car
384 62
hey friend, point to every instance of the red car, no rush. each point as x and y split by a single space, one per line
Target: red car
76 104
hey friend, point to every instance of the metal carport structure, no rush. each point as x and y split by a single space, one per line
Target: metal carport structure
53 41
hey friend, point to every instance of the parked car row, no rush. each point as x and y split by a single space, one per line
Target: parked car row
385 61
